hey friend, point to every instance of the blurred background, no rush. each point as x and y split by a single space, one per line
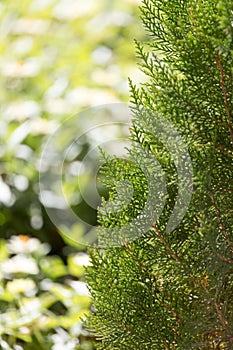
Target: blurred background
57 59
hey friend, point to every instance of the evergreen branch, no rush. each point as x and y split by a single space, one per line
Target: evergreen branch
173 254
211 339
221 223
136 98
127 329
119 322
223 258
222 318
133 255
167 307
176 257
228 189
225 95
155 295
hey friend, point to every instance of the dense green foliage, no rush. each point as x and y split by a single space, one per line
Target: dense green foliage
173 289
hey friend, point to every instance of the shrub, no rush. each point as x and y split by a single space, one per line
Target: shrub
165 281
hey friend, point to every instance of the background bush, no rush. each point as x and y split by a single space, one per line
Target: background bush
57 59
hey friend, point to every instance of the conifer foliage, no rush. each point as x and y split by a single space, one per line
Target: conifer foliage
156 286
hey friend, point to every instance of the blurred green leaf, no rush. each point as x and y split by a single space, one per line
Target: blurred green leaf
53 267
3 251
74 268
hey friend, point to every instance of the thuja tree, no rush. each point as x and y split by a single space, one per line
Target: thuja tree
163 278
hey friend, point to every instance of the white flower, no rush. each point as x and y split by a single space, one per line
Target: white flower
19 264
102 55
116 18
62 340
31 26
19 69
4 345
23 45
80 288
31 309
18 347
83 96
137 2
6 196
38 5
21 110
57 106
106 77
56 90
43 126
22 286
68 10
23 244
20 182
81 259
